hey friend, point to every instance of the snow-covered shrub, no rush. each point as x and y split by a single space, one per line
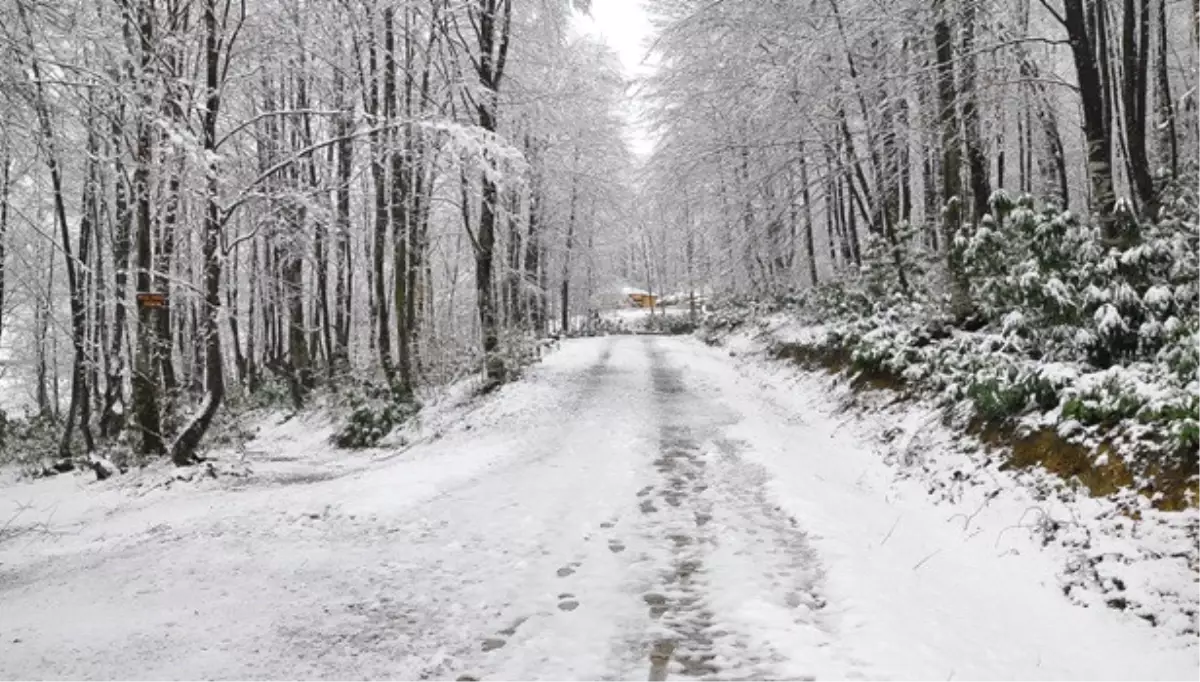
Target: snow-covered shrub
1181 354
270 392
1068 328
374 412
31 442
1107 403
996 398
1021 269
892 267
1051 279
670 324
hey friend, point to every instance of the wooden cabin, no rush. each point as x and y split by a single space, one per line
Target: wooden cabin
641 299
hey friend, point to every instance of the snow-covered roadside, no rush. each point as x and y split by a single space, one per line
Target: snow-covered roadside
914 526
265 575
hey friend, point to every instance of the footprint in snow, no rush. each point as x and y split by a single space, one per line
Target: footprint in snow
568 603
498 642
657 603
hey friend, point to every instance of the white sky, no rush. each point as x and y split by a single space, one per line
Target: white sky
623 24
625 27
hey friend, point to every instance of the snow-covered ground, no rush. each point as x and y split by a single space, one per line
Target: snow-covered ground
637 506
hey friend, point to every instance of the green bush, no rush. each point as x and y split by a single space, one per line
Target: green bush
1065 324
1108 404
996 399
374 413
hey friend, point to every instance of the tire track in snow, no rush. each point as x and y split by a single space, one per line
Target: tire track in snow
711 511
683 641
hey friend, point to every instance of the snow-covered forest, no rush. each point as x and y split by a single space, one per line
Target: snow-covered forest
992 203
207 200
353 245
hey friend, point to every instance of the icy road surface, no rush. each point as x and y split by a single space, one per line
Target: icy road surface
637 507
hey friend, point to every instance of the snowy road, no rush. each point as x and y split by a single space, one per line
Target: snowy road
639 507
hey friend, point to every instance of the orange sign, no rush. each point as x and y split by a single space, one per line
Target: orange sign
152 300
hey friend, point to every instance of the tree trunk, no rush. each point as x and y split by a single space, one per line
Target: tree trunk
232 298
1092 90
320 326
146 399
418 237
5 187
1135 48
810 251
512 266
836 171
1168 138
95 286
420 184
302 350
252 318
183 452
321 318
976 157
163 260
343 293
572 216
904 152
41 325
122 218
398 213
377 98
492 41
80 391
533 239
297 342
960 303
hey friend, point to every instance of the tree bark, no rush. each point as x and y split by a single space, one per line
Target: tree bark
493 19
976 157
232 299
1092 90
533 239
399 215
1168 139
147 411
377 95
82 370
951 166
183 451
1135 48
5 192
41 324
122 219
810 251
320 326
343 258
572 216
